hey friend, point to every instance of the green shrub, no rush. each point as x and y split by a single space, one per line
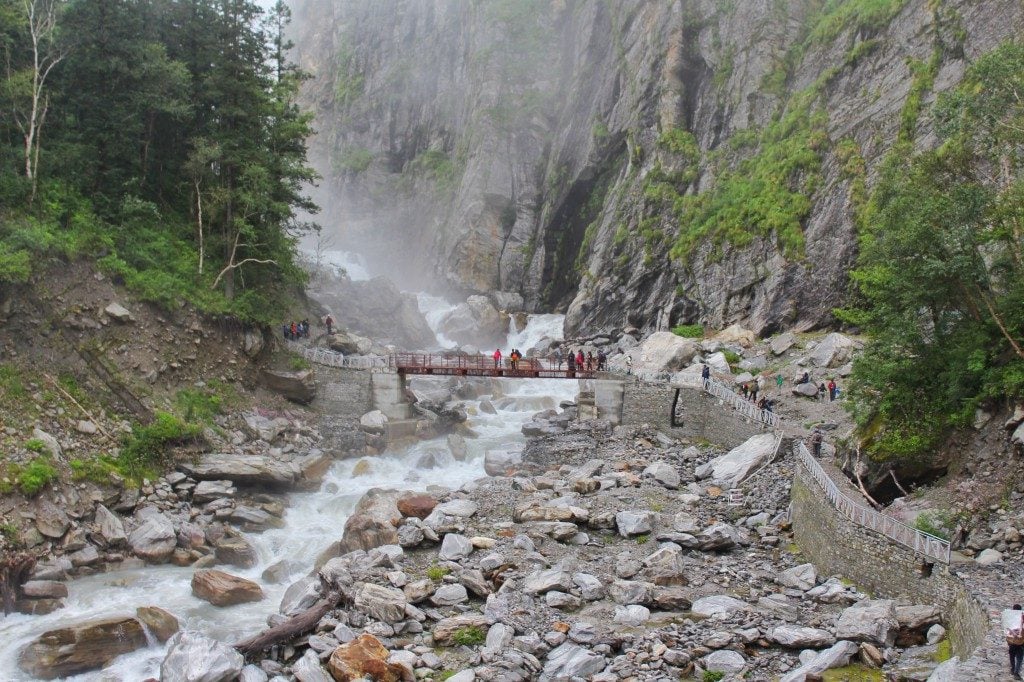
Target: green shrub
298 363
198 404
643 539
689 331
97 470
437 573
10 533
35 445
938 523
148 446
732 357
470 635
35 475
713 675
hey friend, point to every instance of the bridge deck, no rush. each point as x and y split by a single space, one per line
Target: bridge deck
481 366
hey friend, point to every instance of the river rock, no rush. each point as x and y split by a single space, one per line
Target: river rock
632 615
242 469
717 604
418 506
461 508
160 623
194 657
734 466
869 621
664 473
630 523
51 520
154 541
570 661
725 661
455 547
457 446
208 491
802 577
373 421
223 589
44 589
110 527
449 595
797 637
363 657
382 603
235 551
540 582
836 656
308 668
300 595
80 648
833 350
497 462
445 629
374 521
299 387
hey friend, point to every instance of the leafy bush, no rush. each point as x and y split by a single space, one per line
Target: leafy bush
437 573
97 470
732 357
35 445
198 404
148 446
470 635
643 539
938 523
689 331
298 363
34 476
713 675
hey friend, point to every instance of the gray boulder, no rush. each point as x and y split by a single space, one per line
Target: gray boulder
725 661
455 547
664 352
570 661
154 540
734 466
836 656
382 603
781 343
833 350
110 526
797 637
664 473
718 604
298 387
869 621
540 582
630 523
194 657
498 461
802 577
475 322
241 469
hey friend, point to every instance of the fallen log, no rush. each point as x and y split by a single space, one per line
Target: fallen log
296 626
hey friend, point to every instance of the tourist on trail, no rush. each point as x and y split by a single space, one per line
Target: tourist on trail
329 321
831 390
629 364
513 358
816 438
705 373
778 382
294 330
761 403
753 391
305 328
769 405
590 361
284 330
580 360
558 358
804 378
746 391
1013 623
497 358
602 360
821 391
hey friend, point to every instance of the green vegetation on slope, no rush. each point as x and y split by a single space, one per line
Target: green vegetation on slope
164 141
941 270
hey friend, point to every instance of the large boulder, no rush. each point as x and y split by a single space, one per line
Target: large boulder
445 629
161 624
718 604
781 343
51 520
80 648
194 657
664 352
836 656
476 322
871 621
834 350
363 657
373 421
499 462
734 466
737 334
507 301
385 604
154 541
349 343
374 521
110 527
572 661
252 470
299 387
797 637
223 589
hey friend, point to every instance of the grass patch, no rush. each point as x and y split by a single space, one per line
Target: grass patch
437 573
853 673
445 674
943 651
643 539
689 331
10 533
35 445
938 523
470 635
298 363
712 675
98 470
198 405
147 447
31 478
732 357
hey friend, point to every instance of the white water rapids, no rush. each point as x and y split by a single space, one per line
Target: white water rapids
312 522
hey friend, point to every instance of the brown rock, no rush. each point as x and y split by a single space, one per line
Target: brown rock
223 589
445 629
38 607
51 520
80 648
235 551
373 522
44 589
299 387
419 506
870 655
161 624
363 657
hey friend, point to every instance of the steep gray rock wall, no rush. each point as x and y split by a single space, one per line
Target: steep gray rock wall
541 146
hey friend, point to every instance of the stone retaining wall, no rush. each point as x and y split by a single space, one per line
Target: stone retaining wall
881 567
698 415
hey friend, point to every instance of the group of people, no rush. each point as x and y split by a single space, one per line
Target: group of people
296 330
513 358
581 362
831 389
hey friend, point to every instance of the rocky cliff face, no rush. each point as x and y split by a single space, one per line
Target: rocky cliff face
633 162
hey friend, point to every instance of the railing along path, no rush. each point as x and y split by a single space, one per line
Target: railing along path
331 358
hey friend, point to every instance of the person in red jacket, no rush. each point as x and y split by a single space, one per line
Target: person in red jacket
497 358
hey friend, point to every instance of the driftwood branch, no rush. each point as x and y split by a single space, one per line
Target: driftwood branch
79 406
892 472
295 626
860 483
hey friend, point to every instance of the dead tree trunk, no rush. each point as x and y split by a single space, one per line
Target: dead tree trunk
295 626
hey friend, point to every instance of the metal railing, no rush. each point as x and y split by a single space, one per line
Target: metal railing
741 405
922 543
331 358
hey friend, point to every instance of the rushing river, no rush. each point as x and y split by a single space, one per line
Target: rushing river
312 521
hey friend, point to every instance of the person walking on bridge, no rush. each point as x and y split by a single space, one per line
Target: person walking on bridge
572 363
558 358
497 358
580 360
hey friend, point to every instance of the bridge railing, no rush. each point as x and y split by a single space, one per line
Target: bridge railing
331 358
919 541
